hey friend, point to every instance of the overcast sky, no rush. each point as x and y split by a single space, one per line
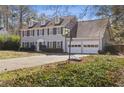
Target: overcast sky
76 10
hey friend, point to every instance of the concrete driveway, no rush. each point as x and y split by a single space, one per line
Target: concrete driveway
17 63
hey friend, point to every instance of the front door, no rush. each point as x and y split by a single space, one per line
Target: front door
41 46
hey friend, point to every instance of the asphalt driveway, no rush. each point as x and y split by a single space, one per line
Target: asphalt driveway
17 63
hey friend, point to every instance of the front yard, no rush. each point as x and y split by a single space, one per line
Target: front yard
15 54
94 70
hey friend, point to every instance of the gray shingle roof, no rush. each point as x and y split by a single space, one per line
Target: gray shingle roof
65 20
91 28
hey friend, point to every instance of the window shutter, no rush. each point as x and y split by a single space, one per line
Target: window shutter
61 30
48 31
42 31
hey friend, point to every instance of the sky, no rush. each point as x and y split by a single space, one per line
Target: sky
64 10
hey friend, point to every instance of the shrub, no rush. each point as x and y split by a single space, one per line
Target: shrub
25 49
53 50
32 48
101 51
2 40
10 42
111 49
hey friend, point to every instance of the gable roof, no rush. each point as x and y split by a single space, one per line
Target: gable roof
91 28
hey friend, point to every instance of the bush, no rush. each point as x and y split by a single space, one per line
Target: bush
101 51
111 49
25 49
32 48
53 50
10 42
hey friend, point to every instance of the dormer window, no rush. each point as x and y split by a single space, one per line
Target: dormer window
31 23
43 22
57 20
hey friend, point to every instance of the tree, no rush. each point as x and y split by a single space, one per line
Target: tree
23 13
5 13
116 16
13 17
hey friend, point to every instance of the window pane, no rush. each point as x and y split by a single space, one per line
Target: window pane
54 31
79 45
54 44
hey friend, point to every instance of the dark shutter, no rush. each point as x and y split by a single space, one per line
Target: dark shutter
33 32
37 32
61 44
42 31
28 33
48 31
61 30
47 44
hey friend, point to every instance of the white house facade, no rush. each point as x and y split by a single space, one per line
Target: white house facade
87 36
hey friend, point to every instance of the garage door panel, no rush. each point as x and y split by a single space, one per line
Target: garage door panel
90 50
75 47
75 50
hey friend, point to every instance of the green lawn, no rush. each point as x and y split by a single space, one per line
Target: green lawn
92 71
15 54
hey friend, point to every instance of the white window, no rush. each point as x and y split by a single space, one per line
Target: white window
50 45
51 31
31 23
54 44
58 45
58 29
23 44
57 20
23 34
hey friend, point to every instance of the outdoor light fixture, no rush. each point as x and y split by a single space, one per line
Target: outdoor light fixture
67 32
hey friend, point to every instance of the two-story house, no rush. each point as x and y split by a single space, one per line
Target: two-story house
87 36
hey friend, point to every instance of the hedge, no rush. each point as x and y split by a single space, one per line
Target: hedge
9 42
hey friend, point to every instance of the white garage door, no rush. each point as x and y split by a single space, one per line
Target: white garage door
90 47
90 50
75 47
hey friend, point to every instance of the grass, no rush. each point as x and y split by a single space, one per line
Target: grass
92 71
15 54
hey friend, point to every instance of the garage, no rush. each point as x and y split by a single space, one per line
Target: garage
84 46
